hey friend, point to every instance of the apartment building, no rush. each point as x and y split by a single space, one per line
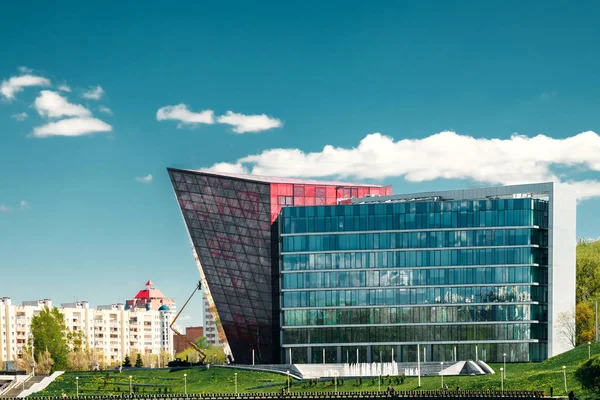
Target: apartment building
112 331
14 325
210 327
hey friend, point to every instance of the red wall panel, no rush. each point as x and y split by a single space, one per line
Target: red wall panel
287 194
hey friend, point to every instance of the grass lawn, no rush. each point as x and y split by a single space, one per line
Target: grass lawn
525 376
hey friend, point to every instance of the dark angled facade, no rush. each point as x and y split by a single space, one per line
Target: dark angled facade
232 223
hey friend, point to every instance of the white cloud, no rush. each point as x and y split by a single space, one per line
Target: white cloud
64 88
249 123
16 84
52 104
20 116
181 113
77 126
445 155
230 168
105 110
95 93
23 205
241 123
25 70
144 179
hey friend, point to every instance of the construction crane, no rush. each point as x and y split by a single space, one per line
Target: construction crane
201 354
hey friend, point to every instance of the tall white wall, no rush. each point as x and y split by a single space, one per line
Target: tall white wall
561 263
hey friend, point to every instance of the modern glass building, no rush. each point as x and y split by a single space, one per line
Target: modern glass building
297 270
458 272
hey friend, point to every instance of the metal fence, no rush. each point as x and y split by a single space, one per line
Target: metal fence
421 394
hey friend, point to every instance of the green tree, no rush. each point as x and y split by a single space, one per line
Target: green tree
127 362
202 343
77 340
213 355
138 361
588 270
584 322
189 355
588 374
49 335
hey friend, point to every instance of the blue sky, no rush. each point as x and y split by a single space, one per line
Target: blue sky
242 78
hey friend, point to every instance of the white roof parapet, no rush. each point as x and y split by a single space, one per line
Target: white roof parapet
463 194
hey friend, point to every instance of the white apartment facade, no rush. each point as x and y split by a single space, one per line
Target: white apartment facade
15 321
112 332
210 328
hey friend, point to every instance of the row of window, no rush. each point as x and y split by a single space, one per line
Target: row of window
415 333
444 295
415 240
422 207
488 352
413 315
462 219
414 277
414 258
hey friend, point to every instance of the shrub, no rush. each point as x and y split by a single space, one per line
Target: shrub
589 374
138 361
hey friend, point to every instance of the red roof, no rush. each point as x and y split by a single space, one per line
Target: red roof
149 283
149 294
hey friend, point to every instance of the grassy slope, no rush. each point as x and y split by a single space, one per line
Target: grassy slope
539 376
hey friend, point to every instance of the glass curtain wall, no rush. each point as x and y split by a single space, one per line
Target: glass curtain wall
449 275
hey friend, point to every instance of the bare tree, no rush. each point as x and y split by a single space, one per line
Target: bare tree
568 331
150 360
26 361
80 360
45 362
